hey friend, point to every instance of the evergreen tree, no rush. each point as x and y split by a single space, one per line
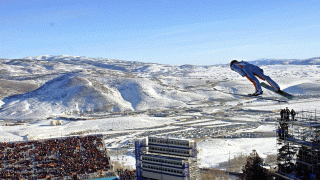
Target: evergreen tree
253 169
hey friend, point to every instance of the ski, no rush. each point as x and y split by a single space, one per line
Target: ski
250 96
281 93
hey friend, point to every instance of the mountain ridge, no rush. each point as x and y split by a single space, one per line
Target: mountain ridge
94 61
45 86
309 61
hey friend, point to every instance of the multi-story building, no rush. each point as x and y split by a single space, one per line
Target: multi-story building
166 158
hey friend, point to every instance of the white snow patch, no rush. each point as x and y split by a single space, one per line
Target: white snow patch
215 151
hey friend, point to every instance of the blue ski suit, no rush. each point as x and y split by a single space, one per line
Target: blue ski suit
251 71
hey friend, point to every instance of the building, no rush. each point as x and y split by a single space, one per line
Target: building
298 146
166 158
52 123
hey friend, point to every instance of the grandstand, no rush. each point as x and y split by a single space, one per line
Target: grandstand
79 157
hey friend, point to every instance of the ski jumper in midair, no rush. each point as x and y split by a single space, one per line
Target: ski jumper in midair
250 71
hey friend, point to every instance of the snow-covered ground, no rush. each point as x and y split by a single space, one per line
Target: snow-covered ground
45 88
215 151
42 129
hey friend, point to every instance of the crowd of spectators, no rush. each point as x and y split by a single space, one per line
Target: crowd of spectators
15 162
95 159
126 174
71 157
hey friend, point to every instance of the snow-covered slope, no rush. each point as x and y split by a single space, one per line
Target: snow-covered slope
46 86
69 93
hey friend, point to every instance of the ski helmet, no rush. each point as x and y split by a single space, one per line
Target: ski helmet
233 61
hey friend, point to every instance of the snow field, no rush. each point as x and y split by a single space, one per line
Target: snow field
215 151
42 129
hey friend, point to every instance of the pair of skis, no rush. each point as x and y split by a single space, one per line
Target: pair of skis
282 93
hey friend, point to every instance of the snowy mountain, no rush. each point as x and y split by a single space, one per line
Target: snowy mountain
310 61
51 86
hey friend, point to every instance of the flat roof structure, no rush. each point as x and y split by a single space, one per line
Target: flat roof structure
166 158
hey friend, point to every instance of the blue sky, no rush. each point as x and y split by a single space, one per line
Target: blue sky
176 32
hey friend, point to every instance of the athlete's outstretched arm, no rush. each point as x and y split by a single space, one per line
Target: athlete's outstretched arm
238 70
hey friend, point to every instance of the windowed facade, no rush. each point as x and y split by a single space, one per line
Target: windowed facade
168 159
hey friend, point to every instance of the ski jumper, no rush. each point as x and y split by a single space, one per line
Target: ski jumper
251 71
